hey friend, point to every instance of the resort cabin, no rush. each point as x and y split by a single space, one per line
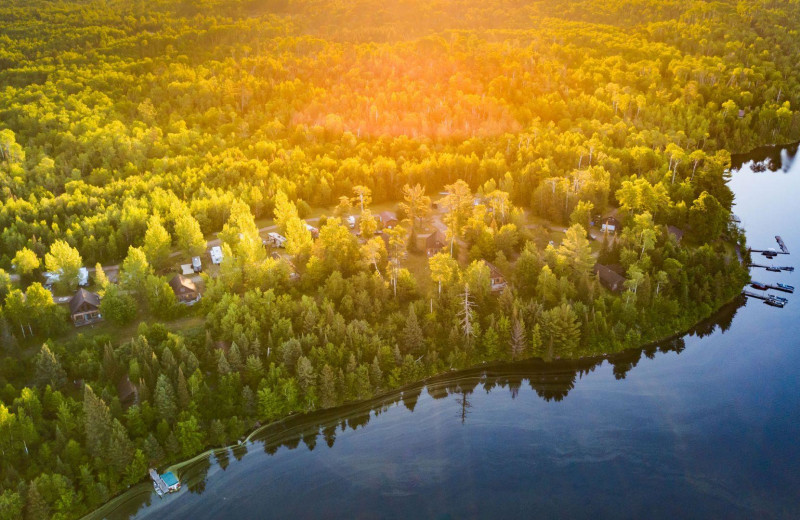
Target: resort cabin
609 278
216 255
184 288
197 264
276 239
84 308
431 243
388 219
496 278
676 232
314 231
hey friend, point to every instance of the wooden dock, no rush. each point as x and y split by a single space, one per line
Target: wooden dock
158 483
772 268
774 301
773 252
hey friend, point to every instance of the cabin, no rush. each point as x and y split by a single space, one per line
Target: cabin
430 243
216 255
276 239
388 219
186 270
84 308
610 224
609 278
185 289
498 281
676 232
314 231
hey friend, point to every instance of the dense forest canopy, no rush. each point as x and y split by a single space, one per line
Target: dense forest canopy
134 135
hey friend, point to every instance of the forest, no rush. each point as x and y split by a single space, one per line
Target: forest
135 135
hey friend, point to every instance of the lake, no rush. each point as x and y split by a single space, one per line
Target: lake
702 426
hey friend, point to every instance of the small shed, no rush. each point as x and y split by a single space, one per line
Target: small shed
388 219
676 232
184 289
84 308
497 279
609 278
197 264
186 269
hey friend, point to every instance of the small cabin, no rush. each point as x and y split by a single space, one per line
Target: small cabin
216 255
184 288
675 232
388 219
84 308
609 278
498 281
430 243
610 224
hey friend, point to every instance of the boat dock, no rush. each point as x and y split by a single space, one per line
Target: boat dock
158 483
778 287
772 252
772 268
775 301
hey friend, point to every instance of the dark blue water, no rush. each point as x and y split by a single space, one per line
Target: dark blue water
705 426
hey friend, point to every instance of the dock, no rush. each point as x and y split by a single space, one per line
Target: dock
778 287
772 252
158 483
772 268
774 301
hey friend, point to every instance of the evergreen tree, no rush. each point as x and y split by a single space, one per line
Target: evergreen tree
97 423
49 370
413 337
165 399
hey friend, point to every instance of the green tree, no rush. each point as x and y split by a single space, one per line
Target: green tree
157 243
65 260
49 370
188 236
26 262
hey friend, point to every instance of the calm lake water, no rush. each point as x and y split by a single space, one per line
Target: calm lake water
705 426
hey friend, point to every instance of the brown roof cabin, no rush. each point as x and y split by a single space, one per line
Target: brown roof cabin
127 391
676 232
610 279
388 219
497 279
431 243
184 289
84 308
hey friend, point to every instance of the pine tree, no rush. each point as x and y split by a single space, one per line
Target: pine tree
165 399
518 340
183 390
120 448
97 423
49 370
413 337
36 507
327 387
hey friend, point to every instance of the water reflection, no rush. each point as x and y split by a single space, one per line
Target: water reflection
551 381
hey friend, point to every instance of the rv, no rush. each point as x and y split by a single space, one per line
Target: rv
216 255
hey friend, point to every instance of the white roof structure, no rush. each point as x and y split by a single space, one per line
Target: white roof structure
52 277
186 269
216 255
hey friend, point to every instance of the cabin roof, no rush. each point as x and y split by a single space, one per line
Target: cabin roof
81 297
169 479
387 215
179 281
494 272
608 276
676 232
